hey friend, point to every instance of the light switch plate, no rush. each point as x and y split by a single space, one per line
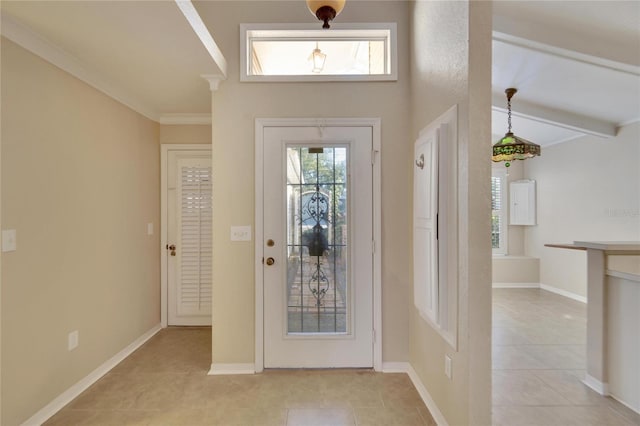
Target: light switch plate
241 233
149 228
9 240
447 366
73 340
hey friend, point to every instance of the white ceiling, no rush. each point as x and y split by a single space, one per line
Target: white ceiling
576 64
145 53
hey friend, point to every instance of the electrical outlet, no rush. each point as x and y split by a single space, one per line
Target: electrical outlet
9 240
447 366
73 340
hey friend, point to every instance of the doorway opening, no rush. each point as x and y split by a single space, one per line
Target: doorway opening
186 235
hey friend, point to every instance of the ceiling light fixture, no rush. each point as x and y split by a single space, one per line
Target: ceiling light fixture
318 58
512 147
326 10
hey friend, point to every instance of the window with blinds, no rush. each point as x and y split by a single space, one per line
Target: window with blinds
194 281
499 212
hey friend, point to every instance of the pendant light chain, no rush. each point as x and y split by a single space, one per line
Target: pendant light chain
509 112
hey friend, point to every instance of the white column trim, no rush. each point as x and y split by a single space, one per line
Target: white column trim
214 81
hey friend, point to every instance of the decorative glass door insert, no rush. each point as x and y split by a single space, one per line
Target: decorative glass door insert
317 246
317 240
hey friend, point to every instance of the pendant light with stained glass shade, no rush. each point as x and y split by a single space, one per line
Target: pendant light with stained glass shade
512 147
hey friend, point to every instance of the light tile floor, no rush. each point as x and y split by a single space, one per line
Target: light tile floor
539 361
538 364
165 382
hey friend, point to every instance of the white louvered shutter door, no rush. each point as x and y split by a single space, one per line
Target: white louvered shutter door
194 247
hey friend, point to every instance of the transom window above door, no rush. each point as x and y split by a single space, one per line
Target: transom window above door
347 52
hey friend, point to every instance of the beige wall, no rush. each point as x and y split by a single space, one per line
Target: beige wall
80 182
588 189
236 106
185 134
513 270
451 64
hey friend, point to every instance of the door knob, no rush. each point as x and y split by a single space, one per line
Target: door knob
172 247
270 261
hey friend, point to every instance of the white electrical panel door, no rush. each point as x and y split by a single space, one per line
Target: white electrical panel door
522 205
425 225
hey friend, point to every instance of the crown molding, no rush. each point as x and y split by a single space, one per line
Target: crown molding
196 118
40 46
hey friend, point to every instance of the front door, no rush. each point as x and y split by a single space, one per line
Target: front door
188 248
317 248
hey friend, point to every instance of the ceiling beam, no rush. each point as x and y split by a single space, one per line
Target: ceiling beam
193 17
556 117
556 41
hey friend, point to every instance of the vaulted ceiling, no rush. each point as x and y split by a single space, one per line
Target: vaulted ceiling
576 64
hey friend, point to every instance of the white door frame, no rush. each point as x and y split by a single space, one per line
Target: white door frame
164 155
375 124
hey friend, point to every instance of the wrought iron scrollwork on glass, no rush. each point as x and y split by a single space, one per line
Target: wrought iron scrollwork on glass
315 211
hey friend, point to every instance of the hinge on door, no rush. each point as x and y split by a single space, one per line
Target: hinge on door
374 336
373 246
373 156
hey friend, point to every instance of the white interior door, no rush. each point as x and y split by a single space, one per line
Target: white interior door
189 243
318 247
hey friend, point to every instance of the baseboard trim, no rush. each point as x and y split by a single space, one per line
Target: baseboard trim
629 406
395 367
515 285
595 384
405 367
564 293
67 396
224 369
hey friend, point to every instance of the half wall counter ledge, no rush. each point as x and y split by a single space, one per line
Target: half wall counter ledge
613 341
